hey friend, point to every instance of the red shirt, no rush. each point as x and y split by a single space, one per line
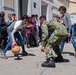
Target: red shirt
29 30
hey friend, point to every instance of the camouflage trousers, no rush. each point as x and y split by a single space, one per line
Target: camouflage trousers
53 44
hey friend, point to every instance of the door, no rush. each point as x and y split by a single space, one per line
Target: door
23 6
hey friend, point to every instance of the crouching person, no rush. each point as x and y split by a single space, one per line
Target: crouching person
14 33
58 34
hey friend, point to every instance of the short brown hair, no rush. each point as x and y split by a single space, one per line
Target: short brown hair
62 8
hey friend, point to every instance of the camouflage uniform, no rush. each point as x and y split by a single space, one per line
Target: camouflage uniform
58 34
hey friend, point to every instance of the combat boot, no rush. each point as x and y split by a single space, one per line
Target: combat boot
25 53
59 58
49 63
75 54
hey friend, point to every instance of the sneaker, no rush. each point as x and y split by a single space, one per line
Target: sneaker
49 63
59 58
25 54
3 56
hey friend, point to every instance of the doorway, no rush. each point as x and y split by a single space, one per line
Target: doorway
23 7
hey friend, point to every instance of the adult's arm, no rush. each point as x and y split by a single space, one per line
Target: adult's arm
69 21
44 29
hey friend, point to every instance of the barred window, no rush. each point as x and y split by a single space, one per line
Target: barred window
8 3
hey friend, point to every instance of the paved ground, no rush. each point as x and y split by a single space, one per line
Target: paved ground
31 65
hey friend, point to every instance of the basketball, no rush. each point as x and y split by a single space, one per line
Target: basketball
16 49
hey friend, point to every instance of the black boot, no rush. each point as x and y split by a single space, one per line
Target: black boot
59 58
75 54
25 53
49 63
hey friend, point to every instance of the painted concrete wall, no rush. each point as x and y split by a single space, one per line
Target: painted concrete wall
36 10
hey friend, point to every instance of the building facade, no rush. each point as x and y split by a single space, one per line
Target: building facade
72 11
9 6
49 8
72 5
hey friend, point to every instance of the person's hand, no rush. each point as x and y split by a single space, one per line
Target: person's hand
42 48
14 44
69 34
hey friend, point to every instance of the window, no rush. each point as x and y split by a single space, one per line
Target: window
8 3
34 5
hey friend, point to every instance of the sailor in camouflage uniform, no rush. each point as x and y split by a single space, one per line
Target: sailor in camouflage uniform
58 34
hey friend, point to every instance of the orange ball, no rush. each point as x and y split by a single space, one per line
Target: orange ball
16 49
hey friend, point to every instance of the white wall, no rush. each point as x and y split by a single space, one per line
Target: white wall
49 12
16 8
36 10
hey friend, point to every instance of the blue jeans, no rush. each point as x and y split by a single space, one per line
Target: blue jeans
17 36
71 39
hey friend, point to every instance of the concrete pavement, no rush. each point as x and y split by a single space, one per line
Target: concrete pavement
31 65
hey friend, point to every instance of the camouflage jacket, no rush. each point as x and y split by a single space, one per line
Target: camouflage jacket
51 26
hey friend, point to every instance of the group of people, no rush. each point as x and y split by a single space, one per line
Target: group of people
3 28
35 31
59 31
16 32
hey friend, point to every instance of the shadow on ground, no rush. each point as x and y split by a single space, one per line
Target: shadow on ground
70 53
64 61
20 55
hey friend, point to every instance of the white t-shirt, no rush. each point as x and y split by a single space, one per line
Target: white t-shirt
16 25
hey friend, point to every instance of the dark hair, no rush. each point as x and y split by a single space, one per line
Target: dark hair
9 14
13 14
2 13
29 17
62 8
36 15
24 17
44 17
30 20
32 15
